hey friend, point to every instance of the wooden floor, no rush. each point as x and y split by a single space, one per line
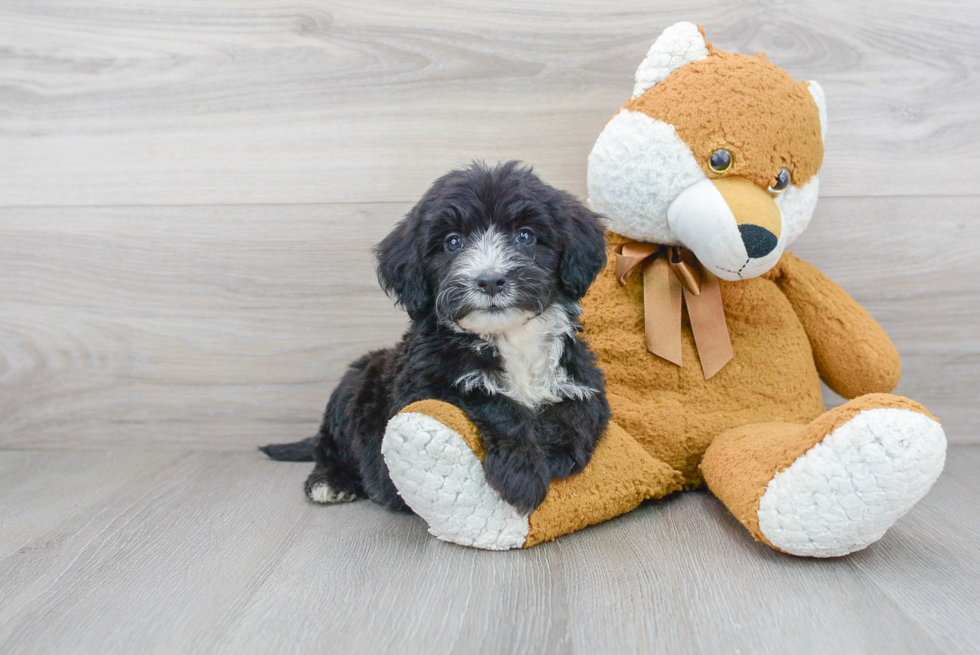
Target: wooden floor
219 552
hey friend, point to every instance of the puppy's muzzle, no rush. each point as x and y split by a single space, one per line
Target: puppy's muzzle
491 283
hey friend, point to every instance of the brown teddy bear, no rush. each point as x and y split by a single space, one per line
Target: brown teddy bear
713 339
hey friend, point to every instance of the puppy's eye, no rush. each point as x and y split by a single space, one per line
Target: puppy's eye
782 181
526 237
454 242
720 161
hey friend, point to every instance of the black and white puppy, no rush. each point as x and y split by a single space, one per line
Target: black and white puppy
490 265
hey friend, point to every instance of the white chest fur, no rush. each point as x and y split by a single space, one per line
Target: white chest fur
531 355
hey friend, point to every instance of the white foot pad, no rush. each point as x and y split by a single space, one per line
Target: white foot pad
441 479
842 494
321 492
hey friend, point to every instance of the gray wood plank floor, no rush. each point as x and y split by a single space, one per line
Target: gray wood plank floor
210 552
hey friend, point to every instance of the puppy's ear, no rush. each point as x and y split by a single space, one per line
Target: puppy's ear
583 253
400 269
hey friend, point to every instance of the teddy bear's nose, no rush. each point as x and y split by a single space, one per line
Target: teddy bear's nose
758 241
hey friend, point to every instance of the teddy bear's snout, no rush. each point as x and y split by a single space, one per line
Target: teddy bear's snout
758 217
732 226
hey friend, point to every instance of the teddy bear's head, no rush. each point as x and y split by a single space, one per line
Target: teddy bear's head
716 152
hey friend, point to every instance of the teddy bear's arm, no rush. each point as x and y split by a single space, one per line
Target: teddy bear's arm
853 354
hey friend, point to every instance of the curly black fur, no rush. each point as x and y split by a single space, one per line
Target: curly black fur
527 445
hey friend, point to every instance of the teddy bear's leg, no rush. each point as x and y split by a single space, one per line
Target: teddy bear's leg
434 457
831 487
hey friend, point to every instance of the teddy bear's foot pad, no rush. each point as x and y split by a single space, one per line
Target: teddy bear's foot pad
846 491
442 480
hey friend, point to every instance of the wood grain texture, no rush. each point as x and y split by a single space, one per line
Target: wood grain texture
198 552
212 102
184 326
226 327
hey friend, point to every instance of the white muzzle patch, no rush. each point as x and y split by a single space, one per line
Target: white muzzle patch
494 321
485 252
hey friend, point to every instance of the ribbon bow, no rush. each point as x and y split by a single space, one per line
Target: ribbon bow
672 276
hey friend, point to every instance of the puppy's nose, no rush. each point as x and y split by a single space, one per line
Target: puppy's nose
758 241
491 283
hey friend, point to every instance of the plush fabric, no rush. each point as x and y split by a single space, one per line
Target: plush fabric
672 410
741 462
801 479
680 44
620 476
845 492
426 468
729 99
852 353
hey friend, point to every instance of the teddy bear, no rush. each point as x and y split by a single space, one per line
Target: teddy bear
712 337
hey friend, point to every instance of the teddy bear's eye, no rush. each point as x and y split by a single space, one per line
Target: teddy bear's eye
720 161
782 181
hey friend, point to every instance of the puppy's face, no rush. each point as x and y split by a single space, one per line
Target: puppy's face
488 248
496 273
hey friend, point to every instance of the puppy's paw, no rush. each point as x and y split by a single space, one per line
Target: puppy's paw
521 481
564 463
323 494
319 491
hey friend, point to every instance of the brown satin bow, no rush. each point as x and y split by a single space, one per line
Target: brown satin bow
672 275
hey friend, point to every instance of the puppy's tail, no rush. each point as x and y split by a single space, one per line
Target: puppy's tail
299 451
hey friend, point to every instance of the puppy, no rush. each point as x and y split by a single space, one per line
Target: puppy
489 265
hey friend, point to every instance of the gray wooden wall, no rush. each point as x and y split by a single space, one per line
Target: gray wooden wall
189 190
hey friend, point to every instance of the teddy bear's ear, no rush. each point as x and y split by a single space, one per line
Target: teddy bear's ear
817 92
679 45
